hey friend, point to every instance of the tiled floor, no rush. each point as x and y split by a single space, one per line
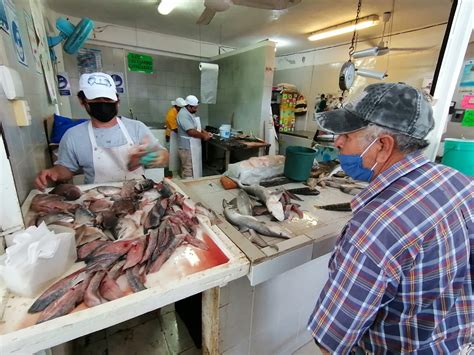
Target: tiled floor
154 333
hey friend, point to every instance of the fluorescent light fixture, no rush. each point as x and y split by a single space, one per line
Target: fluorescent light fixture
346 27
166 6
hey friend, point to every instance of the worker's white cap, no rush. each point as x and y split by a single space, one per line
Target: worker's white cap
95 85
179 102
192 100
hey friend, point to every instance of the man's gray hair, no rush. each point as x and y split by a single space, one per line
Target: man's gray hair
403 143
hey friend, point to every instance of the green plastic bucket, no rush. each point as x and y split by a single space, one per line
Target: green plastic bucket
459 154
298 162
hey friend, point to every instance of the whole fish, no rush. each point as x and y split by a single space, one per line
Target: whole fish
198 243
165 254
153 218
100 205
56 290
86 234
64 304
245 207
82 216
54 217
47 203
134 279
109 289
243 203
109 190
116 270
120 247
69 191
91 296
270 199
135 254
86 250
102 262
107 219
151 245
249 222
125 228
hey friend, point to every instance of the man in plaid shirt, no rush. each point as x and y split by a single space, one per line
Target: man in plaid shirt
401 275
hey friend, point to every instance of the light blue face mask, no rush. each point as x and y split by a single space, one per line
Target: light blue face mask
353 166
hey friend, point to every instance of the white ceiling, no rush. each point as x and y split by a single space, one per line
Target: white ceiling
242 26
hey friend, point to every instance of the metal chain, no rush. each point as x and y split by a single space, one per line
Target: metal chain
354 35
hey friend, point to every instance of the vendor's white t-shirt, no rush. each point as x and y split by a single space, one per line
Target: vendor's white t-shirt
75 148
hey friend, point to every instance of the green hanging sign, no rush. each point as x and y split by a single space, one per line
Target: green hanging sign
140 62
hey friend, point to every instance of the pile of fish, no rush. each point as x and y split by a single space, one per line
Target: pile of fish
241 211
130 230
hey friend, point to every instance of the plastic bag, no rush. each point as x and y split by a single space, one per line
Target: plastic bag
35 257
254 170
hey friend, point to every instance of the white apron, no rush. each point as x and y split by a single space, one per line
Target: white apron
196 150
174 157
110 164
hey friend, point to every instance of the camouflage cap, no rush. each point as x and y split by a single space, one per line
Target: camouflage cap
396 106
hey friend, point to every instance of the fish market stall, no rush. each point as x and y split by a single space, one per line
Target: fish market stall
128 264
269 309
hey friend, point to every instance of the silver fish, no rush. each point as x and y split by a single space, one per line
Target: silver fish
243 203
250 222
55 217
125 228
270 199
109 190
85 234
245 207
83 216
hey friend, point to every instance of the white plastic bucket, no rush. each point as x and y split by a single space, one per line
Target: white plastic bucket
224 130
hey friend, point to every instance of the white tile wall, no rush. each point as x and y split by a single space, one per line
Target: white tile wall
148 95
271 317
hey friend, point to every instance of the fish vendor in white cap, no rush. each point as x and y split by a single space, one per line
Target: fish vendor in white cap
108 148
190 135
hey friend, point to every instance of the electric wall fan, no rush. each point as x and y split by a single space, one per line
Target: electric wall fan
75 36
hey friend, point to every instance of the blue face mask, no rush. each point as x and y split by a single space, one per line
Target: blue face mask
352 165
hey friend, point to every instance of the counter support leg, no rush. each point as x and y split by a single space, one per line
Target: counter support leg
210 321
227 159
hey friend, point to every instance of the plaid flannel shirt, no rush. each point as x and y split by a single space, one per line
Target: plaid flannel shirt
400 277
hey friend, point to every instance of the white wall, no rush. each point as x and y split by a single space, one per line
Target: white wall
271 317
317 71
108 34
26 145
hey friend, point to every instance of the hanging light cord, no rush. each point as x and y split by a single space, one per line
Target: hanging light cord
354 35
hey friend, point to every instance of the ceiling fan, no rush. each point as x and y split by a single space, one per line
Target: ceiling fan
381 48
214 6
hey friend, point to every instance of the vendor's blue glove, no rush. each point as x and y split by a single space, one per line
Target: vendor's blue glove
148 158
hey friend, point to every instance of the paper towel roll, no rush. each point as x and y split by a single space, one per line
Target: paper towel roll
209 76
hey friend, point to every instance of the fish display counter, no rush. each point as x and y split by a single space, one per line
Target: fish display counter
287 232
140 246
306 234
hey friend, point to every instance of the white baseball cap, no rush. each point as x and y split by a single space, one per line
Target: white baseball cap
192 100
179 102
95 85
